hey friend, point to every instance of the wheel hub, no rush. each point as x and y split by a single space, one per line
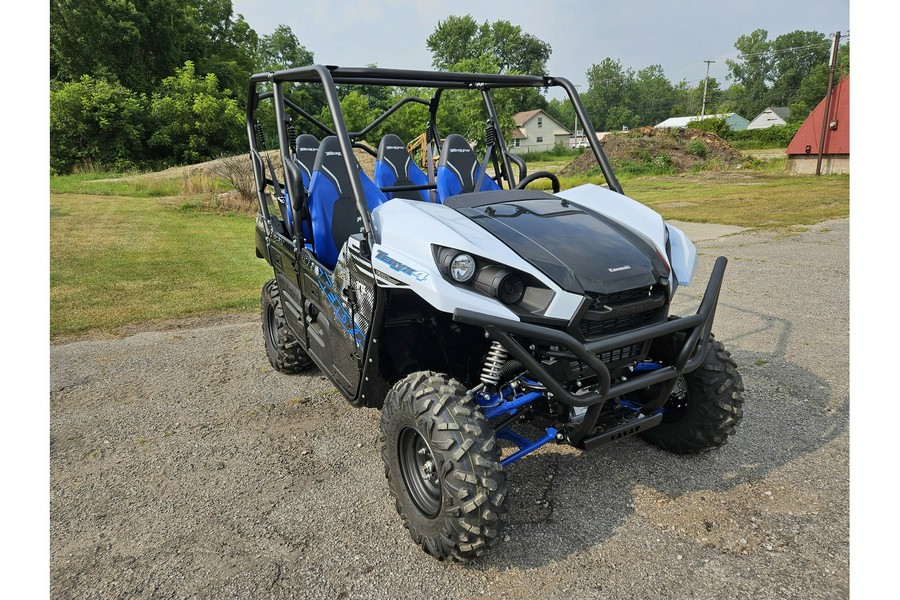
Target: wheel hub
419 471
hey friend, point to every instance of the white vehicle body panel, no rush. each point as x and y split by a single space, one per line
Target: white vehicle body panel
405 231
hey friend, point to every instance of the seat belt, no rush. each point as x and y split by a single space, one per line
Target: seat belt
484 163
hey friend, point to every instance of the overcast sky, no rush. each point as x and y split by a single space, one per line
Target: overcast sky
679 35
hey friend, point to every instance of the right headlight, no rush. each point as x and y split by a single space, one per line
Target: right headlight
462 267
521 292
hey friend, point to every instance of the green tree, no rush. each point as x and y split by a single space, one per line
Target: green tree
461 44
812 88
795 56
562 111
282 50
511 50
753 71
653 96
609 95
140 42
221 43
94 123
357 109
193 119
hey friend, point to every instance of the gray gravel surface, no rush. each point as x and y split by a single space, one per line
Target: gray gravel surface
183 466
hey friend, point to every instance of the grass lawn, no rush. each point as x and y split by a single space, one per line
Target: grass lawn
759 199
124 253
117 260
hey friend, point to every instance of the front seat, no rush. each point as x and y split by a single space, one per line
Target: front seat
458 170
332 207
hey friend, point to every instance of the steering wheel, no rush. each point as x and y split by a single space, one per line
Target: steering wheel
554 180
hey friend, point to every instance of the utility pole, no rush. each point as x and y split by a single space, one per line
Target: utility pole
705 81
825 117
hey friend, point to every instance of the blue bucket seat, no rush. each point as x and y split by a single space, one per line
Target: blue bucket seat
332 207
458 169
394 167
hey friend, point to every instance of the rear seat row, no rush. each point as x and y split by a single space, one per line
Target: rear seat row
331 207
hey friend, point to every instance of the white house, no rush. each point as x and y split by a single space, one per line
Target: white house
536 131
774 115
735 121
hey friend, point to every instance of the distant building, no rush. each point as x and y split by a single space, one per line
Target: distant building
774 115
536 131
803 151
735 121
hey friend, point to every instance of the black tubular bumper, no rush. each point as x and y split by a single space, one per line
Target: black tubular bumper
690 355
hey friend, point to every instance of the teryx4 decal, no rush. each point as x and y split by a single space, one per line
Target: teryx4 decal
398 266
340 313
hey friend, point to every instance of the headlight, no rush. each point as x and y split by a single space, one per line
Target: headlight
462 267
523 293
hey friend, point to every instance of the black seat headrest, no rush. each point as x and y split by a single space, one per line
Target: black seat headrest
307 148
393 152
458 156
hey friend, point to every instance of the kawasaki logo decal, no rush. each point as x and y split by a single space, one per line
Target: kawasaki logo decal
398 266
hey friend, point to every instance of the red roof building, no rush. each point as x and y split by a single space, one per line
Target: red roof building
803 151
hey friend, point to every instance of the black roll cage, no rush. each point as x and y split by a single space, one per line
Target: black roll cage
330 77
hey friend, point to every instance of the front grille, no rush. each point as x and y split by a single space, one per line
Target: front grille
612 358
623 311
615 325
601 300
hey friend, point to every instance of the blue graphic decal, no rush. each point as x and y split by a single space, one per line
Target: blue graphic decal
343 317
398 266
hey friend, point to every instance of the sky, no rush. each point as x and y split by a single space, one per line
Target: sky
679 35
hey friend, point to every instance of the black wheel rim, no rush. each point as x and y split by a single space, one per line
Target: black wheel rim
677 403
419 471
270 326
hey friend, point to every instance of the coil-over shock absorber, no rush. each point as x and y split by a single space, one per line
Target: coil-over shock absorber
260 136
292 135
493 365
490 134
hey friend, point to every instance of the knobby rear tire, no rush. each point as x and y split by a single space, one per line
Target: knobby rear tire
283 349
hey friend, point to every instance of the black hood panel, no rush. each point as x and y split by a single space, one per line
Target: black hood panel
579 249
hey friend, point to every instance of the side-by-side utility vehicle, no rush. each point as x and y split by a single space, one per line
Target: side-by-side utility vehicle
484 319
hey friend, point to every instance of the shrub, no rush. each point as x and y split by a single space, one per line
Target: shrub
194 120
697 148
778 136
95 123
238 173
716 125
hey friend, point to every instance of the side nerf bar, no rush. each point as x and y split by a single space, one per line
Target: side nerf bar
691 354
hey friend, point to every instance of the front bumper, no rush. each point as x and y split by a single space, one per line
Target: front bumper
516 336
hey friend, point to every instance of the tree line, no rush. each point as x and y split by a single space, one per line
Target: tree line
153 83
790 70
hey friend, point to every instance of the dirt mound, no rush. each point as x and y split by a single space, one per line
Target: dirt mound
678 149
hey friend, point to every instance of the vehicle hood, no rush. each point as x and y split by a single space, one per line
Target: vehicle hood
579 249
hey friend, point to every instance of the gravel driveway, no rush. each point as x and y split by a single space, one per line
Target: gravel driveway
183 466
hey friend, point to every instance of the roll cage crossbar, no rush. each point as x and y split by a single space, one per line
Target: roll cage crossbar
329 77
